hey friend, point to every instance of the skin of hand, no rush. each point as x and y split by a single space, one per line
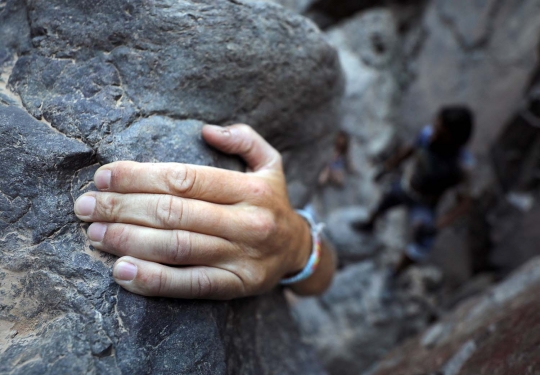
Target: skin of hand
197 232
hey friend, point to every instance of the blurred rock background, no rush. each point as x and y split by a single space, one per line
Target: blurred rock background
402 61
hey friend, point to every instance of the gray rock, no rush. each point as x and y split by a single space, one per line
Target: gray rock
479 53
514 219
297 6
351 246
63 312
353 324
92 83
474 338
184 60
368 46
329 12
162 139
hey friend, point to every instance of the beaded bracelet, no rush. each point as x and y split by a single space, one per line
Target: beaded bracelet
315 257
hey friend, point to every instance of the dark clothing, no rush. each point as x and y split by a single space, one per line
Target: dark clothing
422 220
428 177
432 173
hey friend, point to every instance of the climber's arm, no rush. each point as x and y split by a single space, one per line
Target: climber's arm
395 161
189 231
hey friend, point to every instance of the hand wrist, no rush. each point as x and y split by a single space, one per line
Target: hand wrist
302 247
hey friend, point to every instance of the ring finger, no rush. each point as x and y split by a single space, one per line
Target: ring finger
175 247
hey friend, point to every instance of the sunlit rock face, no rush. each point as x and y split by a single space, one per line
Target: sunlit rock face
84 83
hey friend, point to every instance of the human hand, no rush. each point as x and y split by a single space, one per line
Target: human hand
187 231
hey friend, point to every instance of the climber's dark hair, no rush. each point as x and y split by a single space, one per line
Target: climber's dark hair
458 120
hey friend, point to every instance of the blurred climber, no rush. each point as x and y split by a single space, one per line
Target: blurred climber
440 162
334 172
190 231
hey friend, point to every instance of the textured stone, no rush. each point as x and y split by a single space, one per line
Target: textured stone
516 159
353 324
367 46
351 246
94 82
183 60
482 53
329 12
62 311
496 333
297 6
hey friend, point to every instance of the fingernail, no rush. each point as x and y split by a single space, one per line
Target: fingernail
125 271
102 179
96 232
84 206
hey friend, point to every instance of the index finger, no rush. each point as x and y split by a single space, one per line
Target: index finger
184 180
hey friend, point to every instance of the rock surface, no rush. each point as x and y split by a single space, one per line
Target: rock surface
368 46
353 324
496 333
402 60
351 246
84 83
480 53
297 6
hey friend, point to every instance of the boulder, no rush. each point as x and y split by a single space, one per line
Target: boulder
329 12
85 83
495 333
368 46
351 246
297 6
360 319
483 54
516 156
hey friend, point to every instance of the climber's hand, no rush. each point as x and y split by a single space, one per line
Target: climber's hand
189 231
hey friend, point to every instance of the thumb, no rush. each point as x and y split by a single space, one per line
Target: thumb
242 140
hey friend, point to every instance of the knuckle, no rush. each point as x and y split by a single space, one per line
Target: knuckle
181 249
245 128
169 211
244 141
258 278
182 179
279 158
245 144
201 284
263 225
261 190
118 237
109 206
155 283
